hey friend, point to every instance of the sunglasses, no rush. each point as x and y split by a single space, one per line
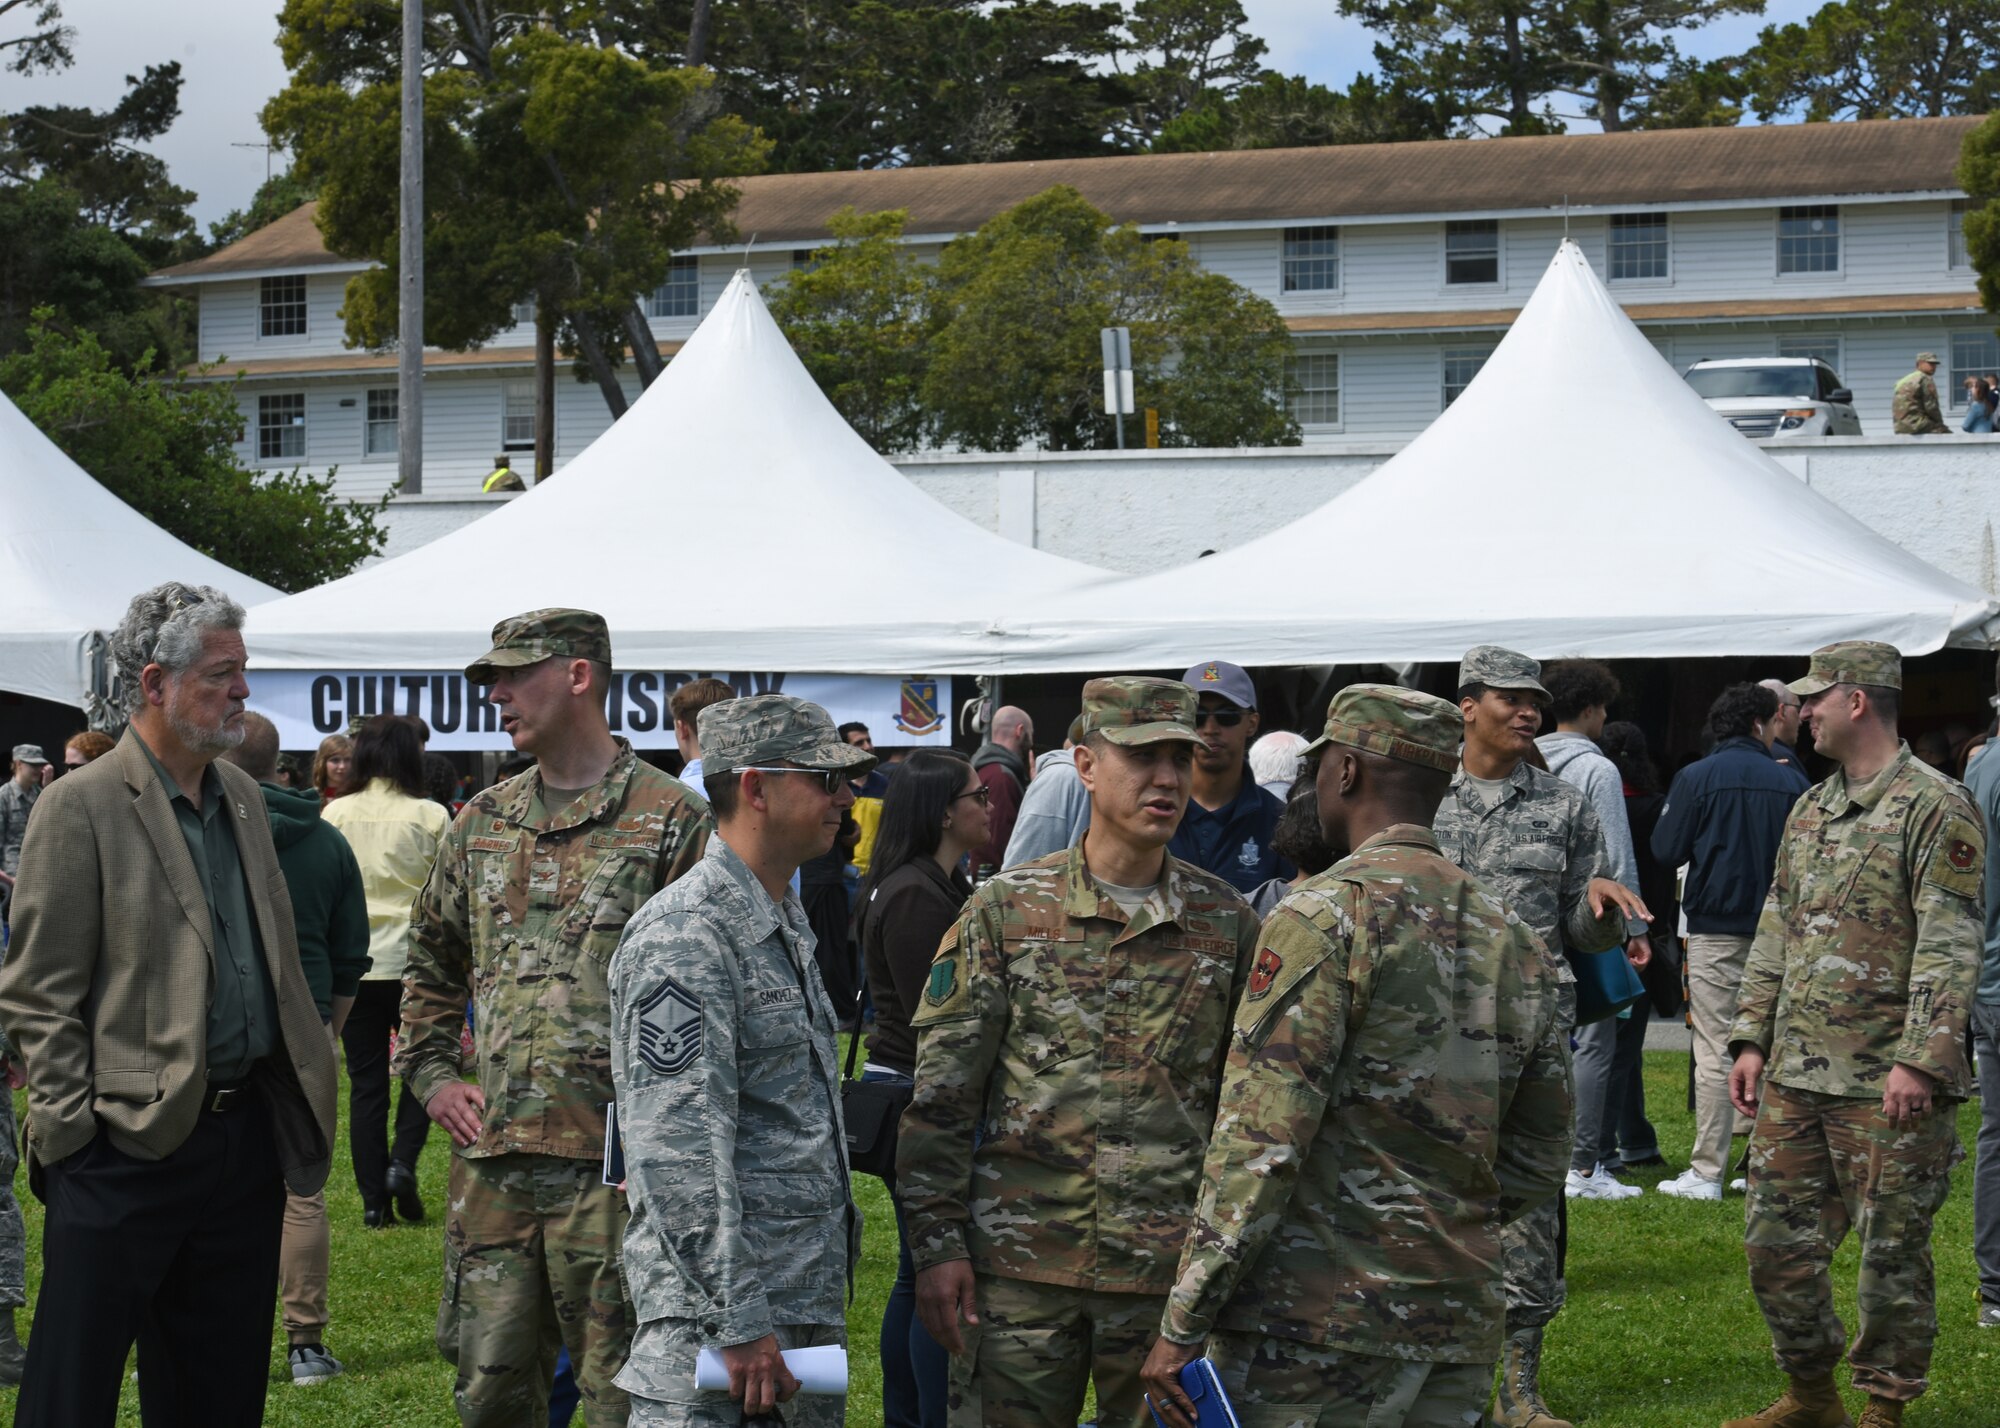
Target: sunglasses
1223 718
982 793
828 779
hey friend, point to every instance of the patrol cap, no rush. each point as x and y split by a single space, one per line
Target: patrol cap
1851 662
1132 712
29 754
1927 357
766 729
522 640
1401 723
1498 668
1217 676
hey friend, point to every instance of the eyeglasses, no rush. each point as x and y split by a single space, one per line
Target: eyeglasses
829 779
982 793
1223 718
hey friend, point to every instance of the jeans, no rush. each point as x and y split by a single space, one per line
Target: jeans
1986 1168
1626 1132
915 1371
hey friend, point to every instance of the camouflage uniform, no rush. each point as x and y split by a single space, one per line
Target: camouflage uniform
729 1105
1398 1088
1865 958
520 917
1067 1066
1914 406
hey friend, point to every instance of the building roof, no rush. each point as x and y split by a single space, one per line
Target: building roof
1357 181
361 363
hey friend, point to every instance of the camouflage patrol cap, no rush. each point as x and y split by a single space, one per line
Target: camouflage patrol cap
1927 357
1498 668
1852 662
1401 723
1131 712
767 729
522 640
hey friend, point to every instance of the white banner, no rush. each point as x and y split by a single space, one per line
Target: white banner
307 706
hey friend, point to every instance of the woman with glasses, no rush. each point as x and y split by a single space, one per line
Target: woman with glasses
934 813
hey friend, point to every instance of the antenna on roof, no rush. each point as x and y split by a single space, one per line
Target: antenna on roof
268 149
747 245
1565 215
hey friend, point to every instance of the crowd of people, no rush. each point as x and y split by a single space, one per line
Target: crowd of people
1187 1040
1914 409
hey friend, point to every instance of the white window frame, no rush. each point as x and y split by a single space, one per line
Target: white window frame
657 300
1957 259
1611 228
373 426
1499 278
265 305
1295 403
1812 339
1839 268
510 388
297 424
1954 375
1460 352
1320 233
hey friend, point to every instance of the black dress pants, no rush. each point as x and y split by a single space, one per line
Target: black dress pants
180 1254
378 1011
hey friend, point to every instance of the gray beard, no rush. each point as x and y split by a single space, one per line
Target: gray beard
212 743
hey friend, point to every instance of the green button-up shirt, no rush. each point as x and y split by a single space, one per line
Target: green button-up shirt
242 1007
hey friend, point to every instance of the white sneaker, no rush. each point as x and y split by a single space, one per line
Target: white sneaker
1600 1184
1690 1186
1740 1183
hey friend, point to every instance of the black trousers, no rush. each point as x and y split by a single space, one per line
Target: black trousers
364 1037
180 1254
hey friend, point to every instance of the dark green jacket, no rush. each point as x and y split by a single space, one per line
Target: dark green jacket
328 905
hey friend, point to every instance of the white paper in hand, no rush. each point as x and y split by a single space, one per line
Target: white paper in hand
818 1370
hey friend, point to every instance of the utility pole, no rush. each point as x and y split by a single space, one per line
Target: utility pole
410 259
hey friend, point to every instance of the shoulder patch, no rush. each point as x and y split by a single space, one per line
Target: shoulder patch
1958 864
943 981
1264 974
670 1028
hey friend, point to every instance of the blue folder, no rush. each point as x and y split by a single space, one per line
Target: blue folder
1203 1386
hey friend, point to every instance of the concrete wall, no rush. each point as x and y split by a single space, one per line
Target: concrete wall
1937 497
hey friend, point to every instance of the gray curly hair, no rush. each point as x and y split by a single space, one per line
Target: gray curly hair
167 626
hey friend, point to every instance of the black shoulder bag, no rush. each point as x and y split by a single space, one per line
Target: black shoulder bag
871 1110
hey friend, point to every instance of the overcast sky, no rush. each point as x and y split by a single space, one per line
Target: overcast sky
229 56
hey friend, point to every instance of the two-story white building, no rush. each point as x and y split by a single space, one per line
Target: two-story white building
1397 267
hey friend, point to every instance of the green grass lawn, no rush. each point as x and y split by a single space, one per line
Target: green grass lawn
1660 1332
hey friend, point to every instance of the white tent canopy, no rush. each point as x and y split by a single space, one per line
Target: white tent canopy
1577 500
72 555
730 520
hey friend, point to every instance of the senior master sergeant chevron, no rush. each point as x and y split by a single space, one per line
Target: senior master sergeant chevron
1853 1011
742 1231
1398 1088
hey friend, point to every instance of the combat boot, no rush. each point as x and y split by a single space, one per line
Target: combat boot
1519 1402
1882 1413
1807 1403
13 1358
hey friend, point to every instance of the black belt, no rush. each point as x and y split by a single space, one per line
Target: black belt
222 1096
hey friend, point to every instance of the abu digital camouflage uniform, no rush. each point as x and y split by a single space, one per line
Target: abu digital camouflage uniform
729 1105
1914 407
520 917
1866 958
1066 1076
1397 1089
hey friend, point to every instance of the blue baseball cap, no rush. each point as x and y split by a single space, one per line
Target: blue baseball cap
1217 676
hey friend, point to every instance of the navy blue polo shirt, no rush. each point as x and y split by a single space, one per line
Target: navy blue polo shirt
1234 841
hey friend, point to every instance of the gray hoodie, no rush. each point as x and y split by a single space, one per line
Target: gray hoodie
1578 762
1054 811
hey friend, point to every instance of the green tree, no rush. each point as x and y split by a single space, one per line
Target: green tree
860 320
1015 361
164 445
1188 52
35 38
1277 111
1979 176
1470 60
1877 59
1619 59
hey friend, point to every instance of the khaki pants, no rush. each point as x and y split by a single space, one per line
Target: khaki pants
1285 1383
303 1256
1715 978
1037 1347
532 1252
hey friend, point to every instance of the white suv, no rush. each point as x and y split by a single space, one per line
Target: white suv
1777 396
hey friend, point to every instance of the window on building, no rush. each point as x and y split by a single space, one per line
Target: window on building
1472 251
281 307
1311 261
1461 365
1809 239
680 294
1315 399
1825 348
517 416
524 313
802 260
1638 246
1955 236
1973 354
380 438
281 426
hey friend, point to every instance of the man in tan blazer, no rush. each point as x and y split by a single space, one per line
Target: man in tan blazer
178 1075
